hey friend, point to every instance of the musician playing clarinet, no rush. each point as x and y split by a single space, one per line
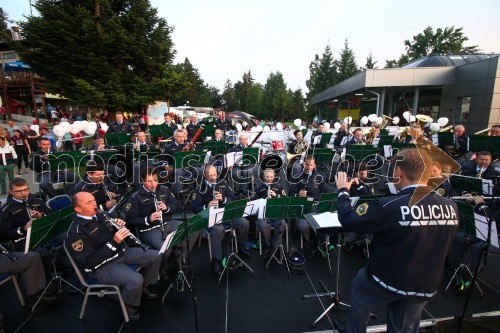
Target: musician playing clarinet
18 212
271 229
99 248
149 209
212 193
95 182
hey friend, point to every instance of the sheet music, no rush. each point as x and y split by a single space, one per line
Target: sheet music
387 151
487 186
28 236
167 241
375 141
230 159
255 207
207 157
215 216
327 219
482 229
435 139
317 140
238 158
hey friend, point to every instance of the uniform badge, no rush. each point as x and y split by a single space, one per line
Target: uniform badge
440 191
127 206
194 196
362 209
283 193
78 245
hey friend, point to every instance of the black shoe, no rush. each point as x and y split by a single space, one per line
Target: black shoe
148 293
217 266
133 313
244 253
339 325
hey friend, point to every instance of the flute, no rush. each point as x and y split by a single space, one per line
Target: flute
112 223
466 197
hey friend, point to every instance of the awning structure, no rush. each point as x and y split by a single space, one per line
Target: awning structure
16 102
16 66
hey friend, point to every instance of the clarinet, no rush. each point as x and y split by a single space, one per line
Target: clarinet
28 209
213 196
3 250
157 202
113 224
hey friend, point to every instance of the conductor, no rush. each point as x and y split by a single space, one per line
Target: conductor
410 244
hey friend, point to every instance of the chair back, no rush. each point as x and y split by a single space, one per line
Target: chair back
82 276
59 202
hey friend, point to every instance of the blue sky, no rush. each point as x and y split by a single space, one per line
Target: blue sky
225 38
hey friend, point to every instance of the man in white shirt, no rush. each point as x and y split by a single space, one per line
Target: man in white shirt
7 163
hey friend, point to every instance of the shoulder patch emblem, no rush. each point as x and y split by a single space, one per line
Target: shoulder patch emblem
362 209
78 245
441 191
128 206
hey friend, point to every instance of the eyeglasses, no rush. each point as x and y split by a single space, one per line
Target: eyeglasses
21 191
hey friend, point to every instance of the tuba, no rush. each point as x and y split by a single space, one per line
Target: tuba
369 137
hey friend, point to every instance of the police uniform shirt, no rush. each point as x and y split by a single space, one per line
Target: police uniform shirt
291 146
353 141
91 242
14 216
361 189
225 124
471 169
444 187
262 191
338 138
191 129
410 242
171 124
205 193
123 127
141 205
169 150
97 189
313 183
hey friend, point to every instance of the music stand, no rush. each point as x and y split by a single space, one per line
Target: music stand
45 230
467 221
117 139
216 147
465 184
231 211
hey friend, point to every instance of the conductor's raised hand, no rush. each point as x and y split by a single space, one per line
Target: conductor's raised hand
341 180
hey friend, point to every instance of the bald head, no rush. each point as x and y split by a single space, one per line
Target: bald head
84 204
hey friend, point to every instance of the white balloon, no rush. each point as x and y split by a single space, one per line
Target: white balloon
327 125
279 126
413 118
407 115
301 127
58 130
59 144
267 128
336 125
259 128
372 117
74 129
395 120
104 127
443 121
85 125
364 120
239 127
91 128
297 122
348 120
379 120
253 129
66 126
435 127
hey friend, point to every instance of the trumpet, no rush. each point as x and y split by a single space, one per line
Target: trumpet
157 203
3 250
109 221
